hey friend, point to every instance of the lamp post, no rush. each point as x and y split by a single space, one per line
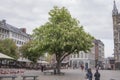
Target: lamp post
96 62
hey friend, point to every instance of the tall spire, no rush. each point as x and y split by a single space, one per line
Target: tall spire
115 10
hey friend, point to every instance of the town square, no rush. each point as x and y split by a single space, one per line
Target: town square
59 40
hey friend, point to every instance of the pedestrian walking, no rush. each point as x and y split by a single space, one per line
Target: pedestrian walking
82 67
86 66
42 68
89 74
97 75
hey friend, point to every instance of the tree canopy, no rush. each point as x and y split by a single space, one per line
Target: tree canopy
27 51
62 35
8 47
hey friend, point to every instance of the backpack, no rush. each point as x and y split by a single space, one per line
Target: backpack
89 75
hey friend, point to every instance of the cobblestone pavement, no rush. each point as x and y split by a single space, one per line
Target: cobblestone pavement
73 74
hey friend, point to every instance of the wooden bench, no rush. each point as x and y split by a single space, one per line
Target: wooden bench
52 72
48 72
28 76
13 77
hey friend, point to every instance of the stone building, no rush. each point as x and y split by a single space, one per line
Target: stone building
116 34
99 53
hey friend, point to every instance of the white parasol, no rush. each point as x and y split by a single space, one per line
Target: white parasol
3 56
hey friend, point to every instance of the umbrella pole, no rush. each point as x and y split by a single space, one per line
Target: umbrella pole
0 63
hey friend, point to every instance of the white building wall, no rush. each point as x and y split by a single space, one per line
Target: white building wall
84 58
17 37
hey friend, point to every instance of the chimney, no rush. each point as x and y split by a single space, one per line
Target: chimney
3 22
23 30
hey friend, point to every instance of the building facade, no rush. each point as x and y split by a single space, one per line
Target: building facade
116 34
99 53
88 59
19 36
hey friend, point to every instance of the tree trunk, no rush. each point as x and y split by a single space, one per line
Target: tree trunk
58 66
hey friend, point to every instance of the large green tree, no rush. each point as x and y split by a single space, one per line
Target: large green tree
8 47
61 35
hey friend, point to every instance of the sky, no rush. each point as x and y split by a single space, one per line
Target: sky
94 15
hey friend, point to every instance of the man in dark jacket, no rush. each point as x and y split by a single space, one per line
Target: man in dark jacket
97 75
89 74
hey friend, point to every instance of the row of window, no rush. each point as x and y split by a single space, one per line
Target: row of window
4 31
18 36
80 55
4 36
15 35
18 42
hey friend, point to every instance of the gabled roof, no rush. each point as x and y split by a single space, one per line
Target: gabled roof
11 28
